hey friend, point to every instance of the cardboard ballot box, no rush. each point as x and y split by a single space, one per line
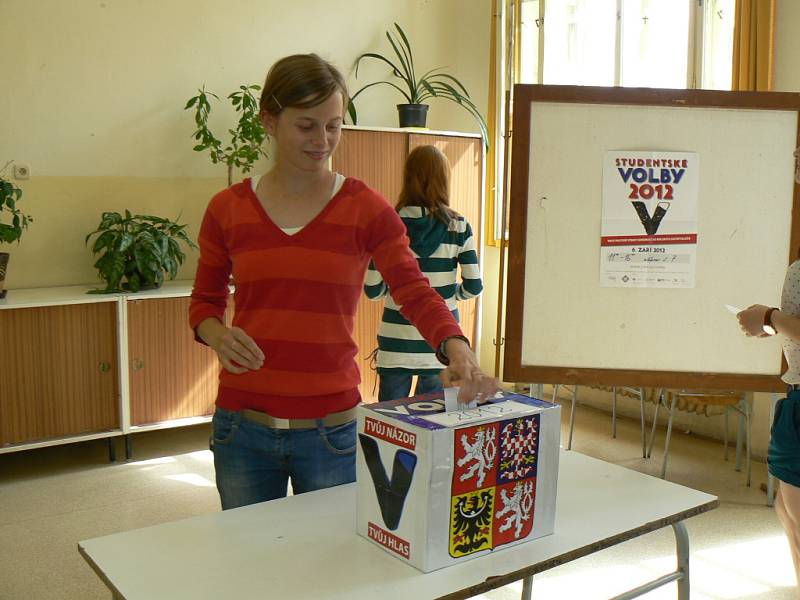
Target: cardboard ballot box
436 488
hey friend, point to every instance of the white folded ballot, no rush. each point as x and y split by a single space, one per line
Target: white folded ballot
436 488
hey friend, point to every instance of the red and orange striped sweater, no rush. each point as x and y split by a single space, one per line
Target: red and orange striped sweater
297 295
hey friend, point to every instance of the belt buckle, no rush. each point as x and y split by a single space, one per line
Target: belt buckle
280 423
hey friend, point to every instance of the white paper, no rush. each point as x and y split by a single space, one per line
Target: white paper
733 309
451 400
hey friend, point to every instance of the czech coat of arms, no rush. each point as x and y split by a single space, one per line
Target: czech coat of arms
494 483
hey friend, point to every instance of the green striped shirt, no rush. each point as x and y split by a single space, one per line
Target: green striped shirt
400 346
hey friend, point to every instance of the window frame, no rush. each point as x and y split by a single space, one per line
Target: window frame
508 68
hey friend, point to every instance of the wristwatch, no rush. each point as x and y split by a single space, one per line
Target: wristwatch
768 327
441 354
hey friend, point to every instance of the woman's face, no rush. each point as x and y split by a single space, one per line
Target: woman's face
306 137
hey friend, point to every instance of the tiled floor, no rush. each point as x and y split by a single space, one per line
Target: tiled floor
51 498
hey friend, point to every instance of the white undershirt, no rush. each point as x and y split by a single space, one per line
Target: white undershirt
338 182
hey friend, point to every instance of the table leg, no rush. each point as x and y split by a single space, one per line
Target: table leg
527 588
682 550
680 575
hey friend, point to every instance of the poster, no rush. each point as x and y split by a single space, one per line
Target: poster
648 234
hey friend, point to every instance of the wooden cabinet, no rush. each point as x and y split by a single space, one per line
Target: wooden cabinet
170 375
377 157
76 367
58 372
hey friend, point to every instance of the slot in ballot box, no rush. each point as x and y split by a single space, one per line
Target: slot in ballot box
436 488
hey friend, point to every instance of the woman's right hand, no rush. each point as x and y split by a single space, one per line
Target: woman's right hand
236 350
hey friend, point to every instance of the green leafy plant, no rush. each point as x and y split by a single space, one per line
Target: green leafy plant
244 148
416 89
10 195
136 250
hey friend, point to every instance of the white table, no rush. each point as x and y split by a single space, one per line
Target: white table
306 546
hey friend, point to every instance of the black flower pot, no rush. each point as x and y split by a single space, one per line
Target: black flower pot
412 115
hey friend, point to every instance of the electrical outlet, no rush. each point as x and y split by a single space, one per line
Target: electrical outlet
21 171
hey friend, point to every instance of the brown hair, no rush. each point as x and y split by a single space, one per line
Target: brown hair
301 81
426 183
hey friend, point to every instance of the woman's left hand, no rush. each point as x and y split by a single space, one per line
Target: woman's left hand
751 320
465 373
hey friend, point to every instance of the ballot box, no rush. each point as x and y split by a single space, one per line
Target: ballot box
437 487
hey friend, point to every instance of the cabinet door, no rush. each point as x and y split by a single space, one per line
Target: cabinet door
376 158
171 376
465 156
58 371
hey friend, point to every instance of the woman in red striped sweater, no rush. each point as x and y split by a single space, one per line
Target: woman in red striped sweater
297 241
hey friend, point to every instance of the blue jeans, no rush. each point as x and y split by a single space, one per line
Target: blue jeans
398 385
253 463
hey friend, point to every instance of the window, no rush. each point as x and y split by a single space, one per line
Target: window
632 43
635 43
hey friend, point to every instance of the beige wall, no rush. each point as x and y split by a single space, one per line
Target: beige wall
98 89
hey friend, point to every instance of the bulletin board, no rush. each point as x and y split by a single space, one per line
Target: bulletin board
562 326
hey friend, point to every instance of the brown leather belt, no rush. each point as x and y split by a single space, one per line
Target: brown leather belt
331 420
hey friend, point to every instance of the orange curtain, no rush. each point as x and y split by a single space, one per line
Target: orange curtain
754 45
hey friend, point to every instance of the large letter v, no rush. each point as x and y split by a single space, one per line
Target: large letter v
391 495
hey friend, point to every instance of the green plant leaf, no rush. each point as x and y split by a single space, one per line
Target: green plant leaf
104 240
406 75
410 56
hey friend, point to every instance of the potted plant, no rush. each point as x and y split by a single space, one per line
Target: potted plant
244 147
10 232
416 89
136 250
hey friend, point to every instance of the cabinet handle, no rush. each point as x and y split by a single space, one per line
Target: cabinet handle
137 364
104 366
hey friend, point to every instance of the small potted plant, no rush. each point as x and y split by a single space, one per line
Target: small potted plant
10 232
416 88
244 148
136 251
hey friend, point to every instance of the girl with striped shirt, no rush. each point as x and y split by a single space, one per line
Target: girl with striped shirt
441 240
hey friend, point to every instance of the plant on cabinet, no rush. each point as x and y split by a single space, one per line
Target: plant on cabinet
416 89
136 251
12 231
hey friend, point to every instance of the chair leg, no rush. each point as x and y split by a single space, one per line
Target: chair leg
739 440
669 433
748 434
614 413
725 433
555 392
641 418
572 417
655 421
